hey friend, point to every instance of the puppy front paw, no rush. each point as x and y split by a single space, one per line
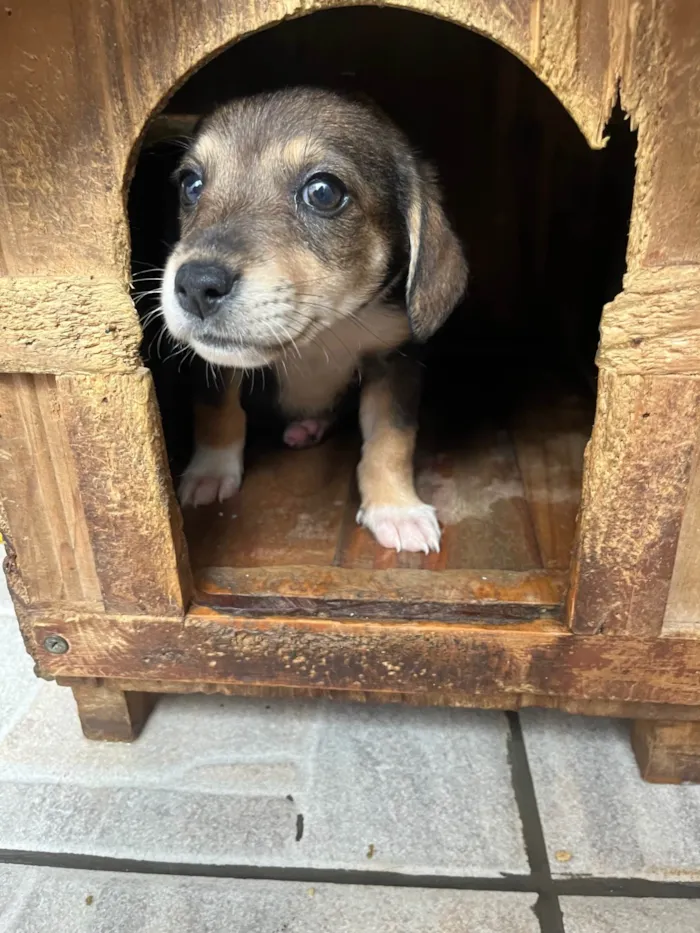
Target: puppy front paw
403 528
213 474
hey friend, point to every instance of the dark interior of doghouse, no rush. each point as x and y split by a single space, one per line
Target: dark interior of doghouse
510 380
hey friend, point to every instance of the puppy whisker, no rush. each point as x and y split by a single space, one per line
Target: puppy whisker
150 316
352 315
186 358
148 267
138 298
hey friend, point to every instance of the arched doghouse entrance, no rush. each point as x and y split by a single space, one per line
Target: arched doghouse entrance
510 390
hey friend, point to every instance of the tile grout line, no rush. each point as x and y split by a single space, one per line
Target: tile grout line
547 909
626 887
516 884
101 863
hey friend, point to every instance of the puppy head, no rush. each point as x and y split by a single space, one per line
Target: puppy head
298 209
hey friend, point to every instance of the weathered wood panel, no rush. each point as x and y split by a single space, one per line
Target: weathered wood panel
535 658
53 325
288 512
51 562
505 701
683 607
395 595
549 442
667 752
654 325
135 526
660 88
476 488
299 508
634 492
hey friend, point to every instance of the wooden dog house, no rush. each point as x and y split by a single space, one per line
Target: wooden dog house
119 599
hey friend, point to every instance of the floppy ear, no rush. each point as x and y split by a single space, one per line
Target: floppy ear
437 270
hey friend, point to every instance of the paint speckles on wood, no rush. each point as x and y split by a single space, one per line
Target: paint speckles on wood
125 486
537 658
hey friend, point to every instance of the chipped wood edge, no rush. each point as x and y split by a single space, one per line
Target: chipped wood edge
67 324
653 325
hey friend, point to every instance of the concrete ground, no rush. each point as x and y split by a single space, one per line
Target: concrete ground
245 816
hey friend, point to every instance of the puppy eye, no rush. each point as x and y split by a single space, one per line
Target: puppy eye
191 186
325 194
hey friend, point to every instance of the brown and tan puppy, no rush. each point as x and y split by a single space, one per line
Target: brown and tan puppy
312 244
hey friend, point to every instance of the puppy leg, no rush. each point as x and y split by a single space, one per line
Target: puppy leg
216 468
390 508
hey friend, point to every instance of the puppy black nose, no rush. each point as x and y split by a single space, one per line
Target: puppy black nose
200 286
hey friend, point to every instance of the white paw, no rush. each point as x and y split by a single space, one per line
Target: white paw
407 528
213 474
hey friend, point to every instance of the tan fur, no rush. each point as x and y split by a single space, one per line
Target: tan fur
385 473
223 424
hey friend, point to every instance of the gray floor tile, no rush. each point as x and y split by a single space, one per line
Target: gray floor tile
18 685
599 817
240 781
629 915
42 900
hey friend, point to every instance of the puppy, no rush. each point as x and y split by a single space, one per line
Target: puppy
313 244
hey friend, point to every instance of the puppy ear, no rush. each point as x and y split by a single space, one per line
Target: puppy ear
437 270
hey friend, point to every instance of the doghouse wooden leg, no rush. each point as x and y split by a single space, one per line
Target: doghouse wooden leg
667 752
109 714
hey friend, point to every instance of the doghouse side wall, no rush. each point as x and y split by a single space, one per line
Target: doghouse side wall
638 486
89 518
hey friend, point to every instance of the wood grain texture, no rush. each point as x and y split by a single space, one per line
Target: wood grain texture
53 325
653 326
667 752
50 558
110 714
288 512
549 444
683 606
134 524
634 492
661 41
397 595
449 698
539 658
476 488
298 508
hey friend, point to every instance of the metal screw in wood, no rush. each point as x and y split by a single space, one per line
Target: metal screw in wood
56 644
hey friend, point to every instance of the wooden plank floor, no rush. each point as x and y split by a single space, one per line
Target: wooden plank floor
506 495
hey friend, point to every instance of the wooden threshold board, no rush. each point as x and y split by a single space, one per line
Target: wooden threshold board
506 496
384 595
